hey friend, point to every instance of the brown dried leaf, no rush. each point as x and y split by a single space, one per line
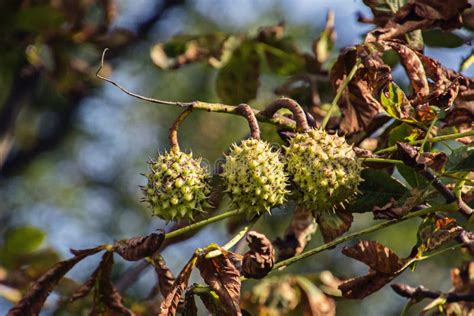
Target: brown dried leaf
334 223
358 103
434 160
137 248
361 287
421 14
435 231
376 256
170 305
297 235
34 299
259 260
223 278
414 69
105 293
165 276
397 208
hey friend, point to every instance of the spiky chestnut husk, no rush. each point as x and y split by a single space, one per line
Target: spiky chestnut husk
324 169
178 187
255 177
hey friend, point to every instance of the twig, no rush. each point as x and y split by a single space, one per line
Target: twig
382 160
173 136
340 90
431 140
200 224
247 112
337 241
231 243
298 114
199 105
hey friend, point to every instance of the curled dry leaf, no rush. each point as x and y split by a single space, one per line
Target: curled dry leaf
223 278
384 266
397 208
170 305
417 15
165 276
297 235
106 297
359 104
137 248
34 299
105 294
259 260
436 231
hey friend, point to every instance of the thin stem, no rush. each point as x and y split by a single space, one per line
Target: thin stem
382 160
427 136
202 223
298 113
247 112
440 251
407 306
173 136
231 243
430 140
337 241
340 90
199 105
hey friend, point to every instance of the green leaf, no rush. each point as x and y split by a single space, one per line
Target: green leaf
24 239
441 38
414 179
461 159
396 104
238 81
377 190
282 57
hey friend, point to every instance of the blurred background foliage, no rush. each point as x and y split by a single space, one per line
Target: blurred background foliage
72 148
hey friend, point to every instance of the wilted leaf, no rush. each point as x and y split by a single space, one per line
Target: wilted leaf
170 305
314 301
378 188
334 223
422 14
298 234
436 231
414 69
165 276
384 266
434 160
106 296
376 256
237 82
361 287
223 278
359 104
137 248
34 299
383 10
397 208
24 239
259 260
